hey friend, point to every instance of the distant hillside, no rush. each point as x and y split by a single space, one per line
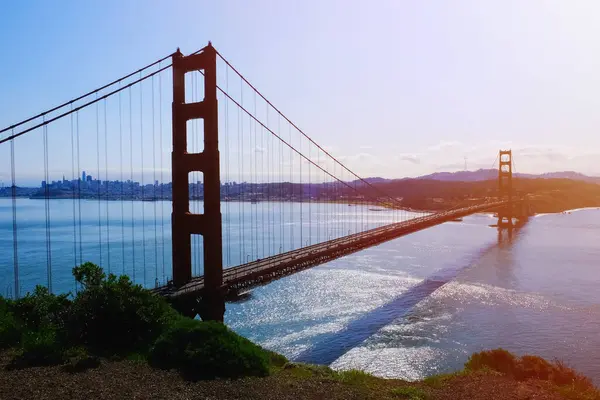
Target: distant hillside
487 174
463 176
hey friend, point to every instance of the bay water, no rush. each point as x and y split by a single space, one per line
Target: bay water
408 308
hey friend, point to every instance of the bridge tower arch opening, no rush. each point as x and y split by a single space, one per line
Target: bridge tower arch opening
505 189
184 223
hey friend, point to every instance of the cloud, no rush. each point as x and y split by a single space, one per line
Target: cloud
411 158
540 153
444 145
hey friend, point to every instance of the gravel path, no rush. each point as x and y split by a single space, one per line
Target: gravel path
136 380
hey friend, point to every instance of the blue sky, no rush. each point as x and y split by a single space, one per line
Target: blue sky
394 88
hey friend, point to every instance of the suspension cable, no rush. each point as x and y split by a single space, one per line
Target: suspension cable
84 95
292 149
298 129
48 121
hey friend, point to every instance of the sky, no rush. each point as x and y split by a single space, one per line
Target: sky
393 88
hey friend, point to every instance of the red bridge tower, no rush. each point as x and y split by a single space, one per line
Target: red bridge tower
184 223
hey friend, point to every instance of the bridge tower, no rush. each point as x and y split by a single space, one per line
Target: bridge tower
505 189
184 223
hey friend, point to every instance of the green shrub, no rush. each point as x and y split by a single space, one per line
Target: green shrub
561 374
10 332
208 350
41 308
38 348
35 323
498 360
534 367
114 316
529 367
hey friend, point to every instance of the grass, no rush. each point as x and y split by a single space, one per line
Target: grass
355 377
410 393
307 371
438 381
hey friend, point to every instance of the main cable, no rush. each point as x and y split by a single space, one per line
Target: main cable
70 102
296 127
286 143
48 121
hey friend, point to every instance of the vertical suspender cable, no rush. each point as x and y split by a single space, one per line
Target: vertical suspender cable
132 186
154 191
98 180
106 190
309 199
79 189
269 192
262 169
270 181
143 205
239 187
14 217
292 245
301 195
281 199
227 167
244 186
73 176
256 173
162 180
47 202
122 186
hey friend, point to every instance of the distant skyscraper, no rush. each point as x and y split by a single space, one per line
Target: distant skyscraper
89 178
83 176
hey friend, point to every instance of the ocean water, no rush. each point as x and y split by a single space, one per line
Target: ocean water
407 308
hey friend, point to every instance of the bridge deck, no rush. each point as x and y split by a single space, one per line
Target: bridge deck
264 270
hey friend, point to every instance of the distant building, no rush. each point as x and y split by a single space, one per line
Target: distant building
89 177
83 176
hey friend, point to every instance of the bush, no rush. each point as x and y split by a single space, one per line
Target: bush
561 374
39 348
529 367
40 309
114 316
208 350
534 367
36 323
10 332
498 360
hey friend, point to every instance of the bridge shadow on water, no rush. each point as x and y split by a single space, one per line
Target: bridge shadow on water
334 345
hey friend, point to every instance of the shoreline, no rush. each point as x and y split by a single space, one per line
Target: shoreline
348 203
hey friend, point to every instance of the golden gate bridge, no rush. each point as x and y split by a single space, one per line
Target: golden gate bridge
230 149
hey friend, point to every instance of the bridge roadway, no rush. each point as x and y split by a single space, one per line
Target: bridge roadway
255 273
